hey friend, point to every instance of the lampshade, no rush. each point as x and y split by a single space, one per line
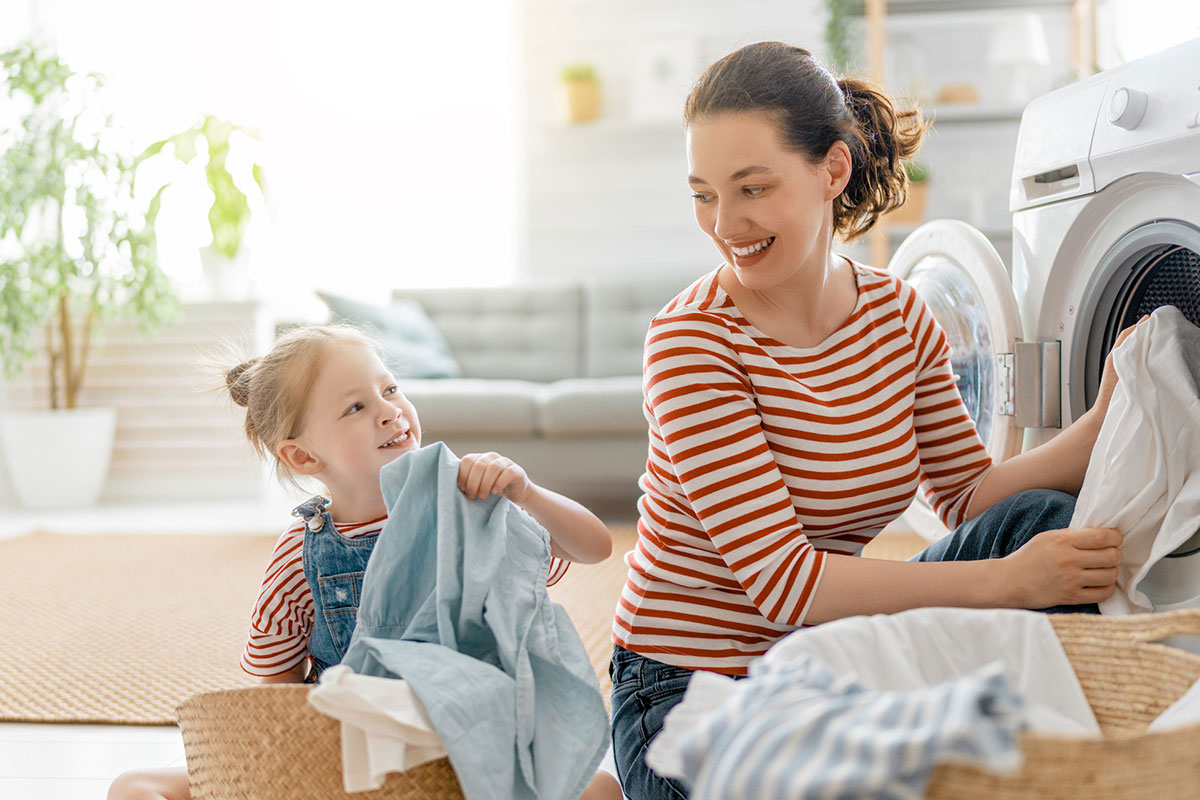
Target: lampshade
1019 41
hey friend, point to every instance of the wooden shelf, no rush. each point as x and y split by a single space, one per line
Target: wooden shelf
952 6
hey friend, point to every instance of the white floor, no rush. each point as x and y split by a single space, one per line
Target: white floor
77 762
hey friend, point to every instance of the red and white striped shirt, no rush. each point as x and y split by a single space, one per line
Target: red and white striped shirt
763 457
283 614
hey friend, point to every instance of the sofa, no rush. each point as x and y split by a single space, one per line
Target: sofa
550 377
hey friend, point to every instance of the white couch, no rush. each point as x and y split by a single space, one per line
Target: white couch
551 379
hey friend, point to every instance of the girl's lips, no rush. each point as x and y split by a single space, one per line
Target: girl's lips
399 439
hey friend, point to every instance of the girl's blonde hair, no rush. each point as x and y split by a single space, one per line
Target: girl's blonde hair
274 389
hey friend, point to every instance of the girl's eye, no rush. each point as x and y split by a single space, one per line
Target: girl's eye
701 197
390 390
352 409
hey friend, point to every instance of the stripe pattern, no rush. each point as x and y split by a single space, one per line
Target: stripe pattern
764 457
283 614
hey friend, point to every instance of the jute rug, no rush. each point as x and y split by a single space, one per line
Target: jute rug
123 628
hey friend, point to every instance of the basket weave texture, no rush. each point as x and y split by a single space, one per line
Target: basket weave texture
268 743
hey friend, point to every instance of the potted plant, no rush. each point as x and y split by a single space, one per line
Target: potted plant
208 144
837 33
583 92
913 210
76 249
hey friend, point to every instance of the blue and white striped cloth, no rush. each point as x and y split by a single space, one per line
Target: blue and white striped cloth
797 730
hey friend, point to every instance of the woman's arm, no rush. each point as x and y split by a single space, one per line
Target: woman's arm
1060 463
576 534
1058 567
296 674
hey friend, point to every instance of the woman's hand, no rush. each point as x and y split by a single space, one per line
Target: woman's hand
1065 567
1108 382
484 474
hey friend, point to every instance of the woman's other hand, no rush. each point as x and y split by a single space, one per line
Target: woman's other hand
1066 567
483 474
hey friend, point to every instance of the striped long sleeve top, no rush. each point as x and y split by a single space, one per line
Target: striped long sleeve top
764 457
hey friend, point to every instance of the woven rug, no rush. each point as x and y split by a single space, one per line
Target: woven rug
123 628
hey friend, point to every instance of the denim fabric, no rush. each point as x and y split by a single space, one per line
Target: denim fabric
643 691
333 567
454 601
1004 528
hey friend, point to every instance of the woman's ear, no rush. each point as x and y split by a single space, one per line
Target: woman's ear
296 458
838 165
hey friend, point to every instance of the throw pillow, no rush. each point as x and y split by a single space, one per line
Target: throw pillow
412 345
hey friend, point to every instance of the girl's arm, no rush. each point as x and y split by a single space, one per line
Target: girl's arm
576 534
1058 567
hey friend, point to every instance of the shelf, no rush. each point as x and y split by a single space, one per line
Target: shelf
972 112
620 125
956 6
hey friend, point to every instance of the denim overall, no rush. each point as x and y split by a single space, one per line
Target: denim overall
333 567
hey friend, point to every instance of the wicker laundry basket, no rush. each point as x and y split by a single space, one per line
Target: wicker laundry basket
268 743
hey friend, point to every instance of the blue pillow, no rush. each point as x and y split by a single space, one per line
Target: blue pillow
412 345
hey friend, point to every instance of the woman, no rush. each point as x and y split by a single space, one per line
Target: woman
796 400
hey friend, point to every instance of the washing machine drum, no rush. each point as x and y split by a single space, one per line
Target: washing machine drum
1151 274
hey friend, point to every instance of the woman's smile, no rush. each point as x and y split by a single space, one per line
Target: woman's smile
751 253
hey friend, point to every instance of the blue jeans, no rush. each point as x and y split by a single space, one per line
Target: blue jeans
644 690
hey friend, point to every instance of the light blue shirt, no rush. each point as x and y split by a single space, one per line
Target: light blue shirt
454 602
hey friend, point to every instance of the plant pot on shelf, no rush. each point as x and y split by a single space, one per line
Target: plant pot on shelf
583 100
913 210
60 458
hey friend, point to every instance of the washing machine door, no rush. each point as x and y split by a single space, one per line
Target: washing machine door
963 280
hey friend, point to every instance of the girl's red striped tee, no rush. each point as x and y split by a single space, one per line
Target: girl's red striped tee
764 457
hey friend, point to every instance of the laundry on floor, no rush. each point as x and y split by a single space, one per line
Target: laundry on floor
454 601
1143 478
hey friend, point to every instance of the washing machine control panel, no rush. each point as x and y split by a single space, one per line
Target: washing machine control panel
1126 108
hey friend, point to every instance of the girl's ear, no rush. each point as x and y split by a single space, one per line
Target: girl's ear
296 458
838 165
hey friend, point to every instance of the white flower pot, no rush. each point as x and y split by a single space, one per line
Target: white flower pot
58 459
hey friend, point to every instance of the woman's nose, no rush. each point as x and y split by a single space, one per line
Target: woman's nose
729 221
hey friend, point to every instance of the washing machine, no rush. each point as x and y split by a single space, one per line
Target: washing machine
1105 199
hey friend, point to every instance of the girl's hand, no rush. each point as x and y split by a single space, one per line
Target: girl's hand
1108 382
484 474
1066 567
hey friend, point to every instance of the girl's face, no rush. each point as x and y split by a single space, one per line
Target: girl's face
768 209
356 420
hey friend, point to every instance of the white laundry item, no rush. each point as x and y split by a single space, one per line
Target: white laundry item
1143 478
927 646
1184 711
384 726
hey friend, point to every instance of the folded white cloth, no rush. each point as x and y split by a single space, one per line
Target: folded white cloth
1184 711
798 730
1143 477
384 726
927 646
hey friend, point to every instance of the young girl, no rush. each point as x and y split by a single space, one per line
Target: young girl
323 405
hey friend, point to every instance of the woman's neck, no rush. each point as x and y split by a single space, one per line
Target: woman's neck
803 310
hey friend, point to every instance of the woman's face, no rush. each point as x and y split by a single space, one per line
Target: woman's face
768 209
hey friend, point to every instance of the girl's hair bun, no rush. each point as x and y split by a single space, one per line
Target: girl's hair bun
237 380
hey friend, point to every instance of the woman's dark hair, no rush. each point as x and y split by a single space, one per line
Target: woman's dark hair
813 109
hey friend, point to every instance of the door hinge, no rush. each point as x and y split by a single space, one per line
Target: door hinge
1029 384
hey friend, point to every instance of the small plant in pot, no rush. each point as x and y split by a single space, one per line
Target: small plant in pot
209 144
583 92
76 250
913 210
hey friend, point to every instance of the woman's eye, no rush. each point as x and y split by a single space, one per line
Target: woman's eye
701 197
754 191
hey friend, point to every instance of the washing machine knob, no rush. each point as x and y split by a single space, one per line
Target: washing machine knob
1126 108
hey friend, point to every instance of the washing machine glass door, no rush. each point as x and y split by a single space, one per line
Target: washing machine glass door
963 280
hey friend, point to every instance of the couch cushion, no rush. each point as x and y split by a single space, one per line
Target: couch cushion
616 317
526 332
587 406
473 406
412 345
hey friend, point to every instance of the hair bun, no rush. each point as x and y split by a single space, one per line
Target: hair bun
237 380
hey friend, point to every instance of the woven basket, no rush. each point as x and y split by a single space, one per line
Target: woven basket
1129 680
268 743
